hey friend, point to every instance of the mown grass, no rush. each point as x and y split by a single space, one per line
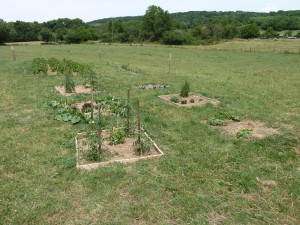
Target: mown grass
205 177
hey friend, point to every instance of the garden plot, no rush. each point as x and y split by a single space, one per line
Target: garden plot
189 101
119 153
248 129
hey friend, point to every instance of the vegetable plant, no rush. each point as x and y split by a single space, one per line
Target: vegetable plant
216 122
116 137
244 133
174 99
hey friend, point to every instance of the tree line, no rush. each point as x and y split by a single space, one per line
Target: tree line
157 25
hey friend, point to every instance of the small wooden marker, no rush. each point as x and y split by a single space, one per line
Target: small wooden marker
13 53
170 63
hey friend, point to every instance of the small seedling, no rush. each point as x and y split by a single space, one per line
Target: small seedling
185 89
183 102
192 100
116 137
174 99
216 122
244 133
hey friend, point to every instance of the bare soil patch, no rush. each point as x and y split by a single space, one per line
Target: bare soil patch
122 153
80 89
190 101
258 129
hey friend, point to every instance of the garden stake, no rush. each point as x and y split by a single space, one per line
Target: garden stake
170 63
92 102
128 111
99 130
13 53
139 124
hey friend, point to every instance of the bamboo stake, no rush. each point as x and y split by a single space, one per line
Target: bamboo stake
13 53
170 63
128 111
99 130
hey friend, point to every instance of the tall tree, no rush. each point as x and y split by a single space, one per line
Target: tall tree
156 22
46 34
5 31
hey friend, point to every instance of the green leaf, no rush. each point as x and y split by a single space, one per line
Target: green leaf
75 119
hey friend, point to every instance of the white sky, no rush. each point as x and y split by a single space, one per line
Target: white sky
88 10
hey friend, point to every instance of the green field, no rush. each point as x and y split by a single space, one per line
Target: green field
205 177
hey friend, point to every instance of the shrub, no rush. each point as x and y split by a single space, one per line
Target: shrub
185 89
183 102
192 100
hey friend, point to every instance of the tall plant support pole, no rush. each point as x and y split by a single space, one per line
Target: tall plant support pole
170 63
139 122
13 53
99 130
128 111
92 102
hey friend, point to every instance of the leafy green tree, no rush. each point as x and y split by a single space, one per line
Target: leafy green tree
249 31
156 22
5 32
298 34
46 35
176 37
270 33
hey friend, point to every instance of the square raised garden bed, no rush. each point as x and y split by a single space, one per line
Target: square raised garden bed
121 153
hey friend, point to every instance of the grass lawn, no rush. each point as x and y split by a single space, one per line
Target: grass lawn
205 177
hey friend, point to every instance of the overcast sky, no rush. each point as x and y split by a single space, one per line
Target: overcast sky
88 10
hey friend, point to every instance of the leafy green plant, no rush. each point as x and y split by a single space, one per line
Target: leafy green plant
56 65
93 153
244 133
39 65
174 99
69 83
64 112
114 105
227 115
192 100
185 89
116 137
216 122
